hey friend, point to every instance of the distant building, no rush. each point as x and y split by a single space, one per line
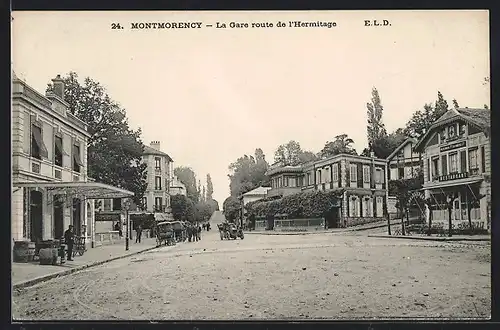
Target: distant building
254 195
403 163
362 178
156 199
457 166
177 187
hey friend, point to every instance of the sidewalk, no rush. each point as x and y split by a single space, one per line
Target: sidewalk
27 274
374 225
454 238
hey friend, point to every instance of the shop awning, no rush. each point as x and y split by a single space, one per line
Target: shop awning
447 184
88 190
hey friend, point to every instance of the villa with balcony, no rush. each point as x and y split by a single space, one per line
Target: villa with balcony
457 166
363 180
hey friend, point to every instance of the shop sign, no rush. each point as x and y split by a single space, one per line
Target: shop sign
452 146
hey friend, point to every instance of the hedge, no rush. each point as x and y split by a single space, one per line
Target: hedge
308 204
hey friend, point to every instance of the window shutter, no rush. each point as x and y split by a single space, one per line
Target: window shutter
360 175
348 174
444 165
463 161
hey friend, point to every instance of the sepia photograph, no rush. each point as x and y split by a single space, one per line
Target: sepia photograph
250 165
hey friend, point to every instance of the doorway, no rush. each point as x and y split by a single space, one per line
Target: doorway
332 217
36 216
58 217
77 216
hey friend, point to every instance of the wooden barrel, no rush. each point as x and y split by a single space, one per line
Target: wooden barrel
48 256
24 251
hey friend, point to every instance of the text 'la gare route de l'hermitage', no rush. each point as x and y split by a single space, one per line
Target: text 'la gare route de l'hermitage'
231 25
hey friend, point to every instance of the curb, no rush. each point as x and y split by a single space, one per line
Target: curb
47 277
346 230
438 239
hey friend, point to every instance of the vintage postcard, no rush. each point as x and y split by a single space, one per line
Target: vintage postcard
265 165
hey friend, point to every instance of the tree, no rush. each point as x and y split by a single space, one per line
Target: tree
210 188
247 173
486 106
114 150
288 153
203 196
307 156
232 208
187 176
375 128
384 146
455 104
341 145
422 120
183 208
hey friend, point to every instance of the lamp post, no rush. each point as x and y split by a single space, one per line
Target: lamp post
127 207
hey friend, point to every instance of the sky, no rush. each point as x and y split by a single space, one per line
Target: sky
212 95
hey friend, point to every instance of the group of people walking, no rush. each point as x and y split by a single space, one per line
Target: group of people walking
193 232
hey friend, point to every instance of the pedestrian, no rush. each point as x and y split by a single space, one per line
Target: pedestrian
138 231
199 233
208 226
189 232
69 239
118 229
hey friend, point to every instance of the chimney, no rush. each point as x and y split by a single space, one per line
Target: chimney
58 84
155 145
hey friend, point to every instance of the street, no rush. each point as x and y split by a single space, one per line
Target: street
320 276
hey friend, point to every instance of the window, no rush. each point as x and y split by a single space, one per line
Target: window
107 205
117 204
167 185
442 136
77 162
38 149
157 182
435 167
444 165
353 206
58 151
158 163
318 178
367 207
158 203
378 175
353 169
308 180
335 172
453 162
473 160
451 131
144 201
401 173
366 174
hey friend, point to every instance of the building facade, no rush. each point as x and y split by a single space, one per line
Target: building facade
159 169
50 186
363 180
457 167
402 164
48 145
177 187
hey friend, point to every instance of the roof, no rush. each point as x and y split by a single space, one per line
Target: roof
401 146
91 190
152 151
477 117
257 191
287 168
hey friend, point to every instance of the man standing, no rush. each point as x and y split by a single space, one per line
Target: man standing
69 238
138 234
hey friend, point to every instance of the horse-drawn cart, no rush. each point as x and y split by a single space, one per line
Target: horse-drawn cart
164 233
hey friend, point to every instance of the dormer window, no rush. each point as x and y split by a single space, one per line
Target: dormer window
462 129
